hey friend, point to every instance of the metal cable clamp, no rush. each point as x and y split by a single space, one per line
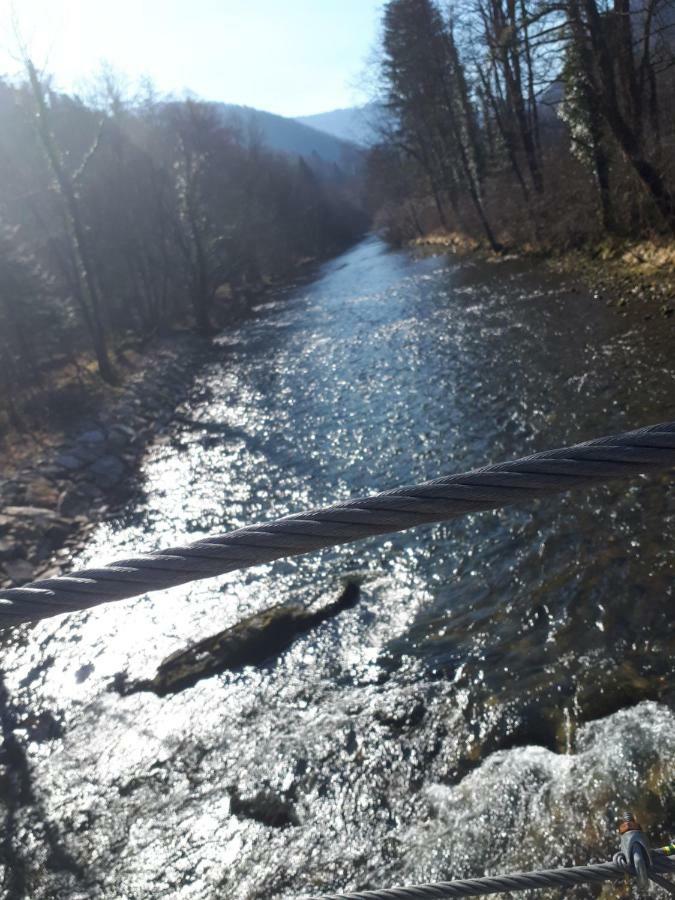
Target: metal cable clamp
634 853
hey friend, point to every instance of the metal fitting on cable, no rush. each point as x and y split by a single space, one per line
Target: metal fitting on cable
634 851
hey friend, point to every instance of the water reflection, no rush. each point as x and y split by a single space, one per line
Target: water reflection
477 665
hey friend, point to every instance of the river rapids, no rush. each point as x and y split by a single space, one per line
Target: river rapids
501 692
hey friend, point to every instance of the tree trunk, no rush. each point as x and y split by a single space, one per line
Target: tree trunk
601 162
604 88
76 227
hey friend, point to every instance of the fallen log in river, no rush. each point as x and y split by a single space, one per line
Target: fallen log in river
252 641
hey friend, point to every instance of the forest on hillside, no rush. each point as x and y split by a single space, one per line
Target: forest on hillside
542 123
122 217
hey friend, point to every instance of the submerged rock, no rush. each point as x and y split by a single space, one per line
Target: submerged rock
265 807
248 643
397 718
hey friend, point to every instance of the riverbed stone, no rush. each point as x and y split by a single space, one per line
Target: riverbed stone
13 492
89 453
51 539
34 513
68 461
9 549
120 436
108 471
38 531
74 501
95 436
18 570
6 522
41 492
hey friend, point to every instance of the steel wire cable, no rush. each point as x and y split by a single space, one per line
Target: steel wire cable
582 465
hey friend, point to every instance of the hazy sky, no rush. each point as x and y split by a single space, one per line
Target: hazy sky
292 57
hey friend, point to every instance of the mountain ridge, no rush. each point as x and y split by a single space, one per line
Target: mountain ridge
356 124
291 136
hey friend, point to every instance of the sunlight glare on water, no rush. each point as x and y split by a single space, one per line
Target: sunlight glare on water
497 670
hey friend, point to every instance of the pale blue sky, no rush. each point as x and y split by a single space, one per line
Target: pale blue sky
292 57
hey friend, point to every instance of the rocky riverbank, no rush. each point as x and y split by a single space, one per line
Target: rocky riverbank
52 500
623 273
619 272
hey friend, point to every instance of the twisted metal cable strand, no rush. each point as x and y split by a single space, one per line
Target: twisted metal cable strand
582 465
519 881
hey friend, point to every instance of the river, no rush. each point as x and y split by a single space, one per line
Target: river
502 689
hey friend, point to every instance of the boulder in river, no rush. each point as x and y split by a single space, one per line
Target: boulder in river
250 642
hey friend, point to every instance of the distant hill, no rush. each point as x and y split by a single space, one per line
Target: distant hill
355 124
291 136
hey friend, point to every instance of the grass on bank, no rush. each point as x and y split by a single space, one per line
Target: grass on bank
42 414
642 271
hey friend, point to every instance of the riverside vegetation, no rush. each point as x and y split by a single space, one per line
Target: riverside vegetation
536 124
517 124
123 217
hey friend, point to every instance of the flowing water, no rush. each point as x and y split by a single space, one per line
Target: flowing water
502 689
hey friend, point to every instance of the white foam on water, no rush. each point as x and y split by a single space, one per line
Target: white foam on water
531 808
